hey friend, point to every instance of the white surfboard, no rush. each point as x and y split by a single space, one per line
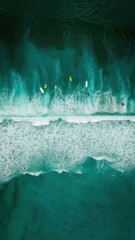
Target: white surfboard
86 84
41 90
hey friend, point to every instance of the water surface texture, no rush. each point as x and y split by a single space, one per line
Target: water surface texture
67 120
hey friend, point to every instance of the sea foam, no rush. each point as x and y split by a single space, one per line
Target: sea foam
62 146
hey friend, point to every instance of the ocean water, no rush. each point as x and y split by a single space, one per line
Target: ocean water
98 204
67 120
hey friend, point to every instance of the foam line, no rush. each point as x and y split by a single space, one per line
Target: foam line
45 120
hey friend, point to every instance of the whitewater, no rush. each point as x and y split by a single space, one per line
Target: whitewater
67 120
59 107
28 146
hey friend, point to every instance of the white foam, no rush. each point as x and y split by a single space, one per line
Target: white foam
45 120
61 146
34 173
79 103
86 119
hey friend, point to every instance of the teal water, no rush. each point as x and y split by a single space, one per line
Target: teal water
69 80
67 180
46 44
66 170
97 204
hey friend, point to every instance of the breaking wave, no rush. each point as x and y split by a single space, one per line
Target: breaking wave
66 81
62 146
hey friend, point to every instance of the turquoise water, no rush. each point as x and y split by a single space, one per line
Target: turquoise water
67 120
62 80
67 81
97 204
67 180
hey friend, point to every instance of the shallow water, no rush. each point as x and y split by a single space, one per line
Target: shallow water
62 145
96 204
67 180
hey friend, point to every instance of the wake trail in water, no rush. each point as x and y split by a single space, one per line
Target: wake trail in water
66 81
